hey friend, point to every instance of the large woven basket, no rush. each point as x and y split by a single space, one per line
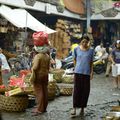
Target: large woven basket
57 91
13 103
57 75
51 90
66 90
68 79
2 90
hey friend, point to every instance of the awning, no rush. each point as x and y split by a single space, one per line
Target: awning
21 18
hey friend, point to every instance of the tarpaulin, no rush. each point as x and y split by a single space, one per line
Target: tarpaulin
21 18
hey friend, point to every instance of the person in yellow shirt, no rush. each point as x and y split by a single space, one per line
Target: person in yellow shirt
73 46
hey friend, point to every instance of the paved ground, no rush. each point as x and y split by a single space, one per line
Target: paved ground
102 97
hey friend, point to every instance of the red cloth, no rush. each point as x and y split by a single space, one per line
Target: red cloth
40 38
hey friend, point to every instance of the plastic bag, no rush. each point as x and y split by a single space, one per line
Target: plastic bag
114 70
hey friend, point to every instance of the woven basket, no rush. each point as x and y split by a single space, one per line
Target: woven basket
3 90
66 90
51 90
68 79
13 103
57 75
57 91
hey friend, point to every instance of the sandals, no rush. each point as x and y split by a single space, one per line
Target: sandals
36 113
73 112
34 110
82 112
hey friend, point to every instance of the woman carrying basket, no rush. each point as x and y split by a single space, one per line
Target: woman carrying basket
40 69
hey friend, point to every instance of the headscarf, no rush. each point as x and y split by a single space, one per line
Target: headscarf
41 43
42 49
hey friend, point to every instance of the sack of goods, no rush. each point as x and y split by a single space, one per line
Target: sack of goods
40 38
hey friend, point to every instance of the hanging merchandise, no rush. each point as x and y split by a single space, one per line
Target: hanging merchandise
3 25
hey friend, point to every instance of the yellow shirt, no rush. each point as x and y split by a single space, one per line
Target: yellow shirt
74 46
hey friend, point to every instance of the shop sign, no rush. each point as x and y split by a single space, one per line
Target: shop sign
30 2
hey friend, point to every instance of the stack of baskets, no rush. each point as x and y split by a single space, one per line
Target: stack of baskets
13 103
51 90
57 75
68 79
66 90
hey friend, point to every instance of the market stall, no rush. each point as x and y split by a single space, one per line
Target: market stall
16 96
21 19
16 28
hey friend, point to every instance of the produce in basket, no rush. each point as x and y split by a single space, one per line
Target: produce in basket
24 72
27 80
2 88
17 81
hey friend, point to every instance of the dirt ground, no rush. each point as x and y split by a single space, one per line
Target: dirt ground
102 97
